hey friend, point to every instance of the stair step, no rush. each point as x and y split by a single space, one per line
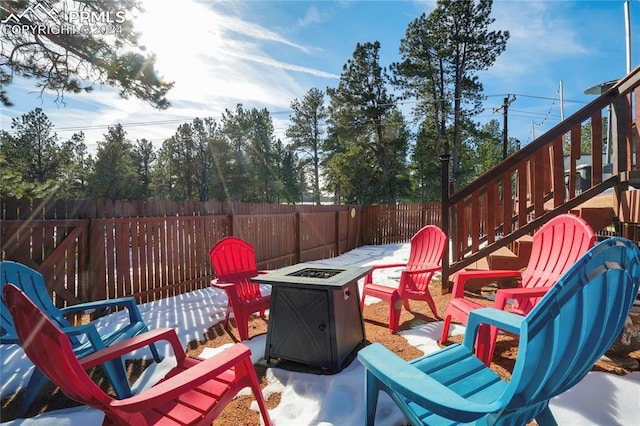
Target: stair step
503 258
522 246
597 217
474 284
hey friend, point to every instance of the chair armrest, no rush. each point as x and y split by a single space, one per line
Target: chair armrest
387 265
368 279
422 270
504 294
127 302
503 320
420 388
222 286
463 276
185 380
129 345
88 330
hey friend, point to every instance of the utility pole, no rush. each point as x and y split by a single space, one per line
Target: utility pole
505 112
627 27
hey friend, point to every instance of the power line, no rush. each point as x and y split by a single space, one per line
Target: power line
149 123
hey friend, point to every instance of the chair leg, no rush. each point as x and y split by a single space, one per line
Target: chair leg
242 324
155 353
371 390
545 418
226 317
445 329
36 381
117 375
486 343
395 308
405 303
432 304
257 393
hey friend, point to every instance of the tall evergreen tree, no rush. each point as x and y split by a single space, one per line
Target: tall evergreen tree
253 172
116 170
262 155
425 166
235 128
441 56
488 146
145 156
185 164
291 173
221 156
359 110
78 172
33 152
306 133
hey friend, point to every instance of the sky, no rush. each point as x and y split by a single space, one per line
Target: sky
265 54
324 400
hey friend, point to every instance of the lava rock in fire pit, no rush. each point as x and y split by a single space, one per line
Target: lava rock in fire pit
316 273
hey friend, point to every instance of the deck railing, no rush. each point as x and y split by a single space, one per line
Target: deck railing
539 181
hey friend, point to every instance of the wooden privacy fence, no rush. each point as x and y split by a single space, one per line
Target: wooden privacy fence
93 250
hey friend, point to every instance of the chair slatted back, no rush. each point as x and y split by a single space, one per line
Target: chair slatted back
557 245
565 332
233 260
32 283
50 349
427 248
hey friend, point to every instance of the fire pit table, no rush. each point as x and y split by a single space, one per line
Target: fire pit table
314 316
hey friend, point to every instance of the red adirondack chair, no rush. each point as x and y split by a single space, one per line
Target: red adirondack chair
557 245
425 256
194 392
234 262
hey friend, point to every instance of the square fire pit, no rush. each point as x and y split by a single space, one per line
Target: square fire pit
314 316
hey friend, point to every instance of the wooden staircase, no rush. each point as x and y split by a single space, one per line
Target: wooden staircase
490 221
598 212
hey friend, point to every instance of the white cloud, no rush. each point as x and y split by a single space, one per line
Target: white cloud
216 60
538 35
313 15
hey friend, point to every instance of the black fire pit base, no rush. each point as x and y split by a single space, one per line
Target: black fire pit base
299 367
315 317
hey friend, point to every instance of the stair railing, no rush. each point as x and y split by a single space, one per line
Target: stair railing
539 182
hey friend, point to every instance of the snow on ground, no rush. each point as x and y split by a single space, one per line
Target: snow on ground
309 399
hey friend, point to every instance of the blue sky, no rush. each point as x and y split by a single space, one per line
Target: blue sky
267 53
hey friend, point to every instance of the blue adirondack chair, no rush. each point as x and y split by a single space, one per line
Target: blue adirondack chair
559 341
31 282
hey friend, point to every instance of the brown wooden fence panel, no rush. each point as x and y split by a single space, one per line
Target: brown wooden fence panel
154 249
53 247
273 237
154 257
393 223
318 233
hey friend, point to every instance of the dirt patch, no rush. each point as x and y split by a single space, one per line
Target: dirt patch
238 412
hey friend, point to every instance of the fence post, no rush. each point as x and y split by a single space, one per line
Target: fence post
298 236
337 233
231 234
444 159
